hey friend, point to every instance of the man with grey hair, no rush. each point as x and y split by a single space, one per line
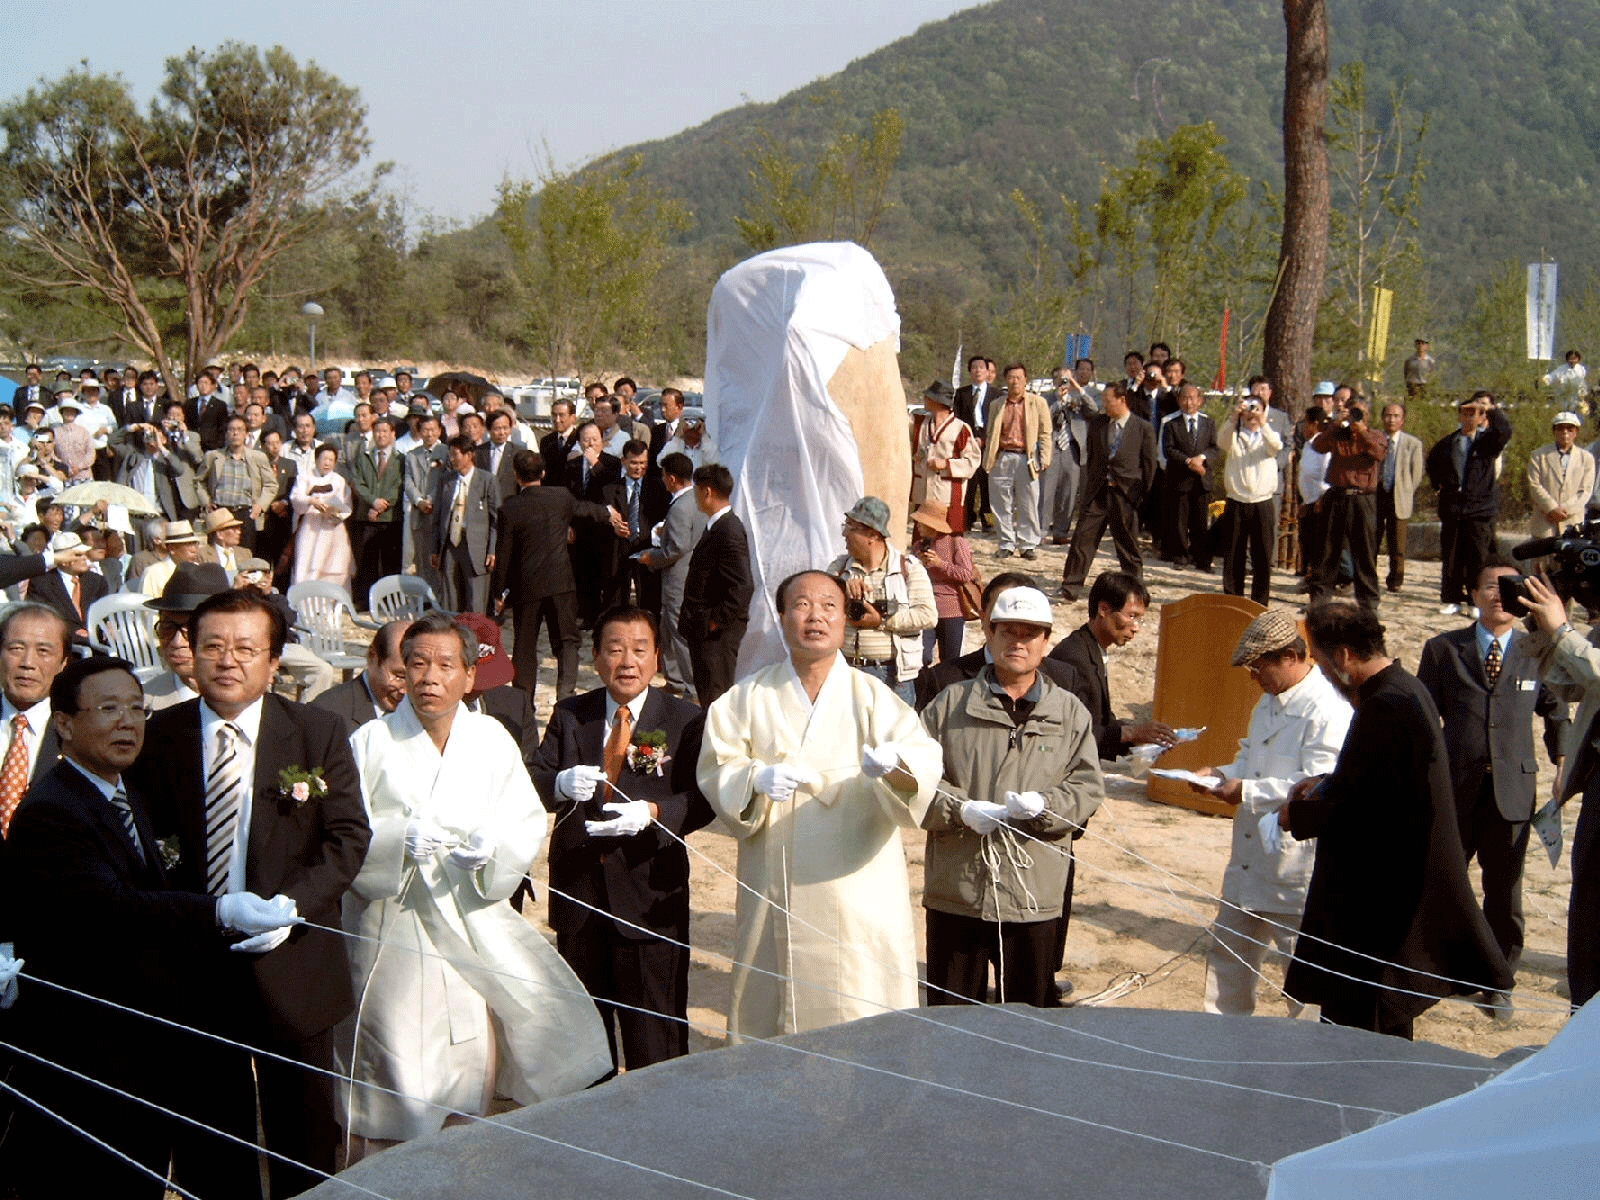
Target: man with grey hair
1296 729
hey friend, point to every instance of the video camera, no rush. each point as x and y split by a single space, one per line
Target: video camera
1574 568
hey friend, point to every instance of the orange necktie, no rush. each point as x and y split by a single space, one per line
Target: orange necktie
617 746
14 773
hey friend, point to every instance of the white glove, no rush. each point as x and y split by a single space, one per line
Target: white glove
878 761
9 969
475 851
982 816
578 783
1024 806
424 839
246 912
1271 832
630 817
779 780
262 942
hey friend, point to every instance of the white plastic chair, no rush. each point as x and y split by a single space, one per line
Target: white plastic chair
320 609
400 598
121 625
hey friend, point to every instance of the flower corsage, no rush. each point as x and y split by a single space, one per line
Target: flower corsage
296 785
648 754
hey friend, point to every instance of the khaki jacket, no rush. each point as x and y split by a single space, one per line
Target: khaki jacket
986 754
1548 491
1036 431
1406 450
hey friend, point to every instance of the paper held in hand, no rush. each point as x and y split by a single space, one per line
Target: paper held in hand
1209 782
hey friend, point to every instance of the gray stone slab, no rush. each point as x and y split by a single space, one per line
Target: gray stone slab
761 1120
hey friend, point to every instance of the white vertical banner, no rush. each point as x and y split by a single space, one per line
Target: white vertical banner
955 371
1542 311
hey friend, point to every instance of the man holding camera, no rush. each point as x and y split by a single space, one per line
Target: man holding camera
158 462
1350 507
888 600
1250 483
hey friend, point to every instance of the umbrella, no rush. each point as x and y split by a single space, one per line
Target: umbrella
760 1120
86 495
462 383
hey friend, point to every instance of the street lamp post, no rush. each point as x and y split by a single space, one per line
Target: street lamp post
311 310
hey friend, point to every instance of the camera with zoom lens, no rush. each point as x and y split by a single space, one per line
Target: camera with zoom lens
1574 570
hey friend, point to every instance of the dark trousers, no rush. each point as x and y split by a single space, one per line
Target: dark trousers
1312 519
714 659
1066 910
1392 533
1106 506
1352 524
961 950
1362 1008
1500 846
296 1114
247 526
1186 525
646 973
1247 528
1464 542
559 616
946 635
591 564
1583 910
977 496
634 583
375 546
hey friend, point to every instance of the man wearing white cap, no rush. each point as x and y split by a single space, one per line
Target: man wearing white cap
1296 729
1561 479
71 588
1019 758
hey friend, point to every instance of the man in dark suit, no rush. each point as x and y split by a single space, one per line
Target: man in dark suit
377 478
1461 466
1485 683
620 853
533 572
593 548
35 642
972 406
218 773
466 506
717 589
112 928
33 391
1189 448
494 456
14 568
557 446
140 405
277 523
72 587
664 430
1119 470
642 500
379 688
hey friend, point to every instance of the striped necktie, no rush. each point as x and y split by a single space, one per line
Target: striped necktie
224 789
119 801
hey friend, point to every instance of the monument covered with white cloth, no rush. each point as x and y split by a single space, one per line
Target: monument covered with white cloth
804 400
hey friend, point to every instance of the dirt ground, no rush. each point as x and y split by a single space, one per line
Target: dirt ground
1138 929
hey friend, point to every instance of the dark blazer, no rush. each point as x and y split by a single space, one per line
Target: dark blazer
1081 650
966 404
132 408
14 568
1178 447
310 852
1133 469
718 587
530 555
48 589
49 753
350 700
210 422
505 476
553 449
654 500
1477 495
1490 730
607 470
933 680
643 878
513 708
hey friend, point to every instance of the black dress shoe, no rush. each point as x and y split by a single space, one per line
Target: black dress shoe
1030 552
1068 594
1002 554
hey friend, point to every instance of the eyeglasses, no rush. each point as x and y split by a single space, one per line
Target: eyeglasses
243 655
167 630
115 712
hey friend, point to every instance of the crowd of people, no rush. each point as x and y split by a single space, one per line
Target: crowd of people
296 926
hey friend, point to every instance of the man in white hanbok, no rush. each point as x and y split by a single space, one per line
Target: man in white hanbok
460 998
816 768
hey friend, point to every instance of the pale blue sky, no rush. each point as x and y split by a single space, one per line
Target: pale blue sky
460 94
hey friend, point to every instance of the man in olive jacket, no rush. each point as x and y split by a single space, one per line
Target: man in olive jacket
1019 759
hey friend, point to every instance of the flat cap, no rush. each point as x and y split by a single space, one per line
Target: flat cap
1274 629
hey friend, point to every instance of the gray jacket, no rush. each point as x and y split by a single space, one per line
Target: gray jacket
987 754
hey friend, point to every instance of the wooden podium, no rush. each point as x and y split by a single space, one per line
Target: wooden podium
1196 686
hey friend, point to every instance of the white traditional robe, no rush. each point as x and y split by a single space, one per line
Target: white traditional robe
424 1026
833 857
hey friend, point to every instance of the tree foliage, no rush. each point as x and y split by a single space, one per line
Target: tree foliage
588 249
839 195
172 216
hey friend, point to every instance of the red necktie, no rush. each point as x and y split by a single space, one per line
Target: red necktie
14 773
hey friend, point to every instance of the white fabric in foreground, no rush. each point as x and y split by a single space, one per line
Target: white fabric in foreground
778 326
1529 1131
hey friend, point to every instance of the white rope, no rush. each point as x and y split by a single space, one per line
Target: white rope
375 1087
198 1124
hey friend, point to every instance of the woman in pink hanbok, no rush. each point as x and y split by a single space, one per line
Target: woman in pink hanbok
321 502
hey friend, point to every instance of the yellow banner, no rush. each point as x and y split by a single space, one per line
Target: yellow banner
1378 327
